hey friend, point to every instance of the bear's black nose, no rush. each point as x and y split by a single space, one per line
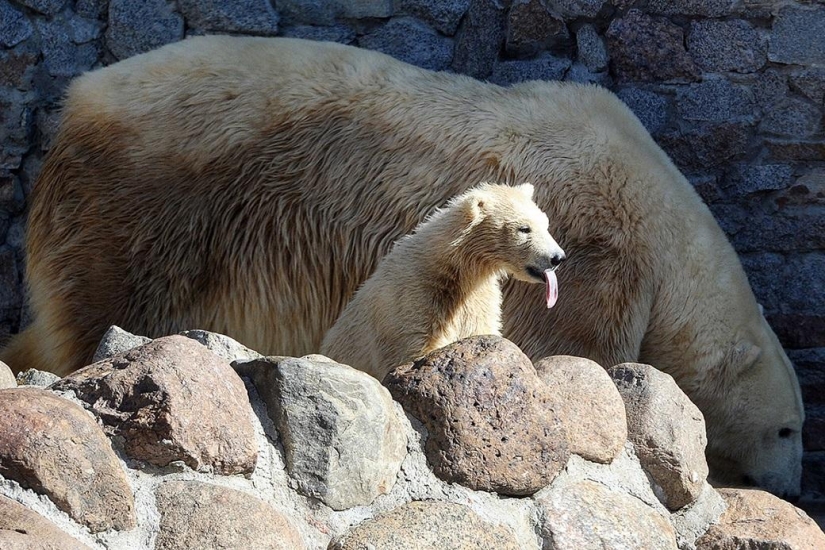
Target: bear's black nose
556 259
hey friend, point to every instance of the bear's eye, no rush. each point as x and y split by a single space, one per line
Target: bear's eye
785 433
524 229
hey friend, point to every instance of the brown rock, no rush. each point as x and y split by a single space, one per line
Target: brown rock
587 515
490 419
424 526
200 515
758 520
645 48
667 429
588 404
7 379
23 529
52 446
532 27
172 399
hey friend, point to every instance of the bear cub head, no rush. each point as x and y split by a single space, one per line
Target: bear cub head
505 227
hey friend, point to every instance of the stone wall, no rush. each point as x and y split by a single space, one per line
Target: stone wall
731 89
194 441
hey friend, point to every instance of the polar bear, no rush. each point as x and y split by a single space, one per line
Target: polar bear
442 282
249 185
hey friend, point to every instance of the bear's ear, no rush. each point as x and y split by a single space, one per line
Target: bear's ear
527 189
474 209
744 355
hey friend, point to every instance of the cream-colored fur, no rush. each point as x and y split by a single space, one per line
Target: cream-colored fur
442 282
250 185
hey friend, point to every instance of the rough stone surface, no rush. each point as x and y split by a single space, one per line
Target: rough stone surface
798 36
52 446
479 38
202 515
651 108
579 73
115 341
589 516
172 399
39 378
707 145
715 100
588 405
247 16
46 7
15 28
427 525
492 423
443 15
645 48
591 48
337 33
362 9
342 437
811 84
693 521
545 67
22 529
745 179
667 430
705 8
571 9
137 27
759 520
223 346
792 118
7 379
532 27
726 46
411 41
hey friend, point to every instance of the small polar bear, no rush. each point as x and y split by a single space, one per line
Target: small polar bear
442 282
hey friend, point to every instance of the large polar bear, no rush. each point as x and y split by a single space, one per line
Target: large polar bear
249 185
442 282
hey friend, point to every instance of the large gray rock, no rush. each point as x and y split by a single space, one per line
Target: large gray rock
443 15
492 423
15 27
411 41
667 429
424 526
573 9
22 529
645 48
39 378
795 118
480 38
798 36
115 341
532 27
337 33
544 67
246 16
138 27
715 100
726 46
591 49
693 521
758 520
745 179
704 8
588 405
810 83
589 516
652 109
7 379
202 515
172 399
52 446
223 346
343 439
46 7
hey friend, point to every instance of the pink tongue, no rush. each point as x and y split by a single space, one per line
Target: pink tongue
552 287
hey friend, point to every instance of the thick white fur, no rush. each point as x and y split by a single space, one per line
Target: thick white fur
250 185
443 282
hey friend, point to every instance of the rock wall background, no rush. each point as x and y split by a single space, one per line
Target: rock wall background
732 89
